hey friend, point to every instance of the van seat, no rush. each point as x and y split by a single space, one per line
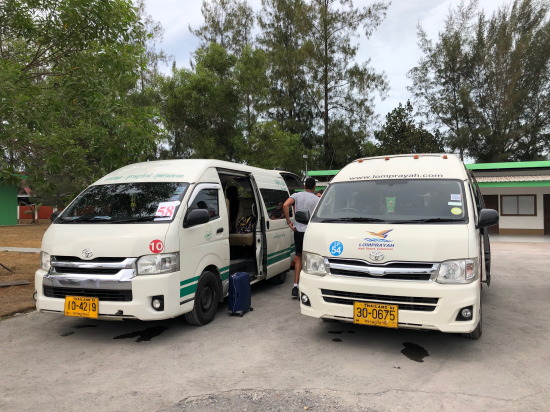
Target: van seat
246 208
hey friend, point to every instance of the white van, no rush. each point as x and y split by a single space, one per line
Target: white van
159 239
400 242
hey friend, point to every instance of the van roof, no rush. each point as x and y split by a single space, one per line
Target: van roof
176 170
404 166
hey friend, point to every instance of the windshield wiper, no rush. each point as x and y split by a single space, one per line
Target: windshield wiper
429 220
440 219
135 219
353 219
86 218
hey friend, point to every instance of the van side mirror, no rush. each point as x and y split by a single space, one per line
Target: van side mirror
196 217
54 216
487 217
302 216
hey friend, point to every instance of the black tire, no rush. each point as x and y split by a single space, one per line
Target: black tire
207 300
278 279
476 333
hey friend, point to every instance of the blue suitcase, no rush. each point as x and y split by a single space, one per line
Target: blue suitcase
239 294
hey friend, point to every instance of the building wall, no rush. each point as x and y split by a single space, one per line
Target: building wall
8 205
44 212
532 224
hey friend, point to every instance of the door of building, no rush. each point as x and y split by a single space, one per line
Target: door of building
491 202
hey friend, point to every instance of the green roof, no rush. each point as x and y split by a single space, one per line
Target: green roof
509 165
324 172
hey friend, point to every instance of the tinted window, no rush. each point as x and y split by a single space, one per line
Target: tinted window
394 200
292 182
126 203
207 199
274 200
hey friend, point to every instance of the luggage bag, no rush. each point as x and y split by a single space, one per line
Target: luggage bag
239 294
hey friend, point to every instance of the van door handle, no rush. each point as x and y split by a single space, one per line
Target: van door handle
220 230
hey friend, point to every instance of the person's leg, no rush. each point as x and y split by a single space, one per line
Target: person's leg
297 268
298 243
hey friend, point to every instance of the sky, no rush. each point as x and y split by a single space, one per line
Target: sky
392 48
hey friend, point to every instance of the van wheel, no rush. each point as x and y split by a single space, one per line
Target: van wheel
476 333
206 300
278 279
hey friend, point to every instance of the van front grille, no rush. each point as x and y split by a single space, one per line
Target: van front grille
101 294
81 271
422 304
410 271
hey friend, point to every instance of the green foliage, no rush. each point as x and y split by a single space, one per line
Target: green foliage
202 107
285 25
68 73
228 23
485 81
270 147
343 88
400 134
317 88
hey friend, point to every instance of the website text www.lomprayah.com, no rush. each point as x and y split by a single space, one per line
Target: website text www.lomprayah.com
398 176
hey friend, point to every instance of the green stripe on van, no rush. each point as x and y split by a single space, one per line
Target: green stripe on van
224 273
189 286
278 256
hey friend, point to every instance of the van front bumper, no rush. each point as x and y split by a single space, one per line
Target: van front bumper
332 297
139 290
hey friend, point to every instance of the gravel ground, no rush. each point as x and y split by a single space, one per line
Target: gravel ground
253 400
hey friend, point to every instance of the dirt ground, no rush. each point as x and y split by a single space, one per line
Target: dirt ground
14 299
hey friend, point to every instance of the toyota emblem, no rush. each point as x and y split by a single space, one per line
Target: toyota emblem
87 253
376 255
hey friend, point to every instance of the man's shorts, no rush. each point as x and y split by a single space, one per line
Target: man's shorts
299 242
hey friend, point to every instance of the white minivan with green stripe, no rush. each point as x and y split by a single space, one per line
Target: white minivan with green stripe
159 239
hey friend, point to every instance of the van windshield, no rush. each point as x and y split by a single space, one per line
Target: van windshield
393 201
126 203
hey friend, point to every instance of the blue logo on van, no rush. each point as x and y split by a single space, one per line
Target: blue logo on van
336 248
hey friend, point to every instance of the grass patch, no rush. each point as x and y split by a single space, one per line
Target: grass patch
14 299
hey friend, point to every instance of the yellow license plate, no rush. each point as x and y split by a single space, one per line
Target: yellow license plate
84 307
375 314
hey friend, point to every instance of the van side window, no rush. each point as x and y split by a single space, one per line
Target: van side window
274 200
207 199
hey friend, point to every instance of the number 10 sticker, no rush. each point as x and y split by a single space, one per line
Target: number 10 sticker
156 246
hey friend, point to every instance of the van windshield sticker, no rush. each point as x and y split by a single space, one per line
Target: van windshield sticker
454 203
165 210
147 176
456 210
455 196
399 176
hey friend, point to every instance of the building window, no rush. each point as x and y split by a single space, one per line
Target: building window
518 205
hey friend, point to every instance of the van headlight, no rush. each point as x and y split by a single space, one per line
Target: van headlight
45 261
159 263
457 271
313 264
